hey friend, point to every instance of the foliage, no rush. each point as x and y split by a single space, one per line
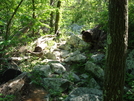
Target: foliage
82 13
76 15
78 67
131 24
36 77
130 60
129 96
7 97
86 13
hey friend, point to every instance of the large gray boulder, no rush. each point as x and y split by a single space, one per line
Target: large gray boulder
55 84
77 42
57 68
95 70
71 76
64 53
84 94
97 57
74 42
45 70
93 84
50 55
75 57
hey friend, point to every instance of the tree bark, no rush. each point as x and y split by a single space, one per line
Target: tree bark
51 16
33 15
116 51
57 18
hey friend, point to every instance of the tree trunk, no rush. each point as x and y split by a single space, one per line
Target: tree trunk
33 15
57 18
51 17
116 52
10 20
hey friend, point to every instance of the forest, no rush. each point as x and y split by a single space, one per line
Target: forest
67 50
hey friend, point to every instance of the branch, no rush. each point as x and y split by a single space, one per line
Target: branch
10 20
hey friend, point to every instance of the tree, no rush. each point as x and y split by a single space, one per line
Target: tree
33 15
57 18
116 52
10 20
51 16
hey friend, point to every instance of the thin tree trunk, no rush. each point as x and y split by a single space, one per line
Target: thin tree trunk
33 15
116 52
57 18
10 20
51 17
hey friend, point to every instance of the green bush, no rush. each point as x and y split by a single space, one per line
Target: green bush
129 96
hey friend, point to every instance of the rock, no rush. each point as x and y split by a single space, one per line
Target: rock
75 57
74 42
58 68
50 56
95 70
130 61
64 53
84 76
49 61
93 84
14 87
78 43
45 70
84 94
83 45
9 74
71 76
97 57
57 53
52 48
65 47
55 84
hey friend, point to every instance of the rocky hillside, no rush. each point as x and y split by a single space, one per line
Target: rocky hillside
52 69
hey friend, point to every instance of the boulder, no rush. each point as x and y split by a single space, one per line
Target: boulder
44 70
71 76
49 61
21 89
84 78
97 57
84 94
96 71
57 68
55 84
93 84
9 74
64 53
75 57
77 42
50 55
65 47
